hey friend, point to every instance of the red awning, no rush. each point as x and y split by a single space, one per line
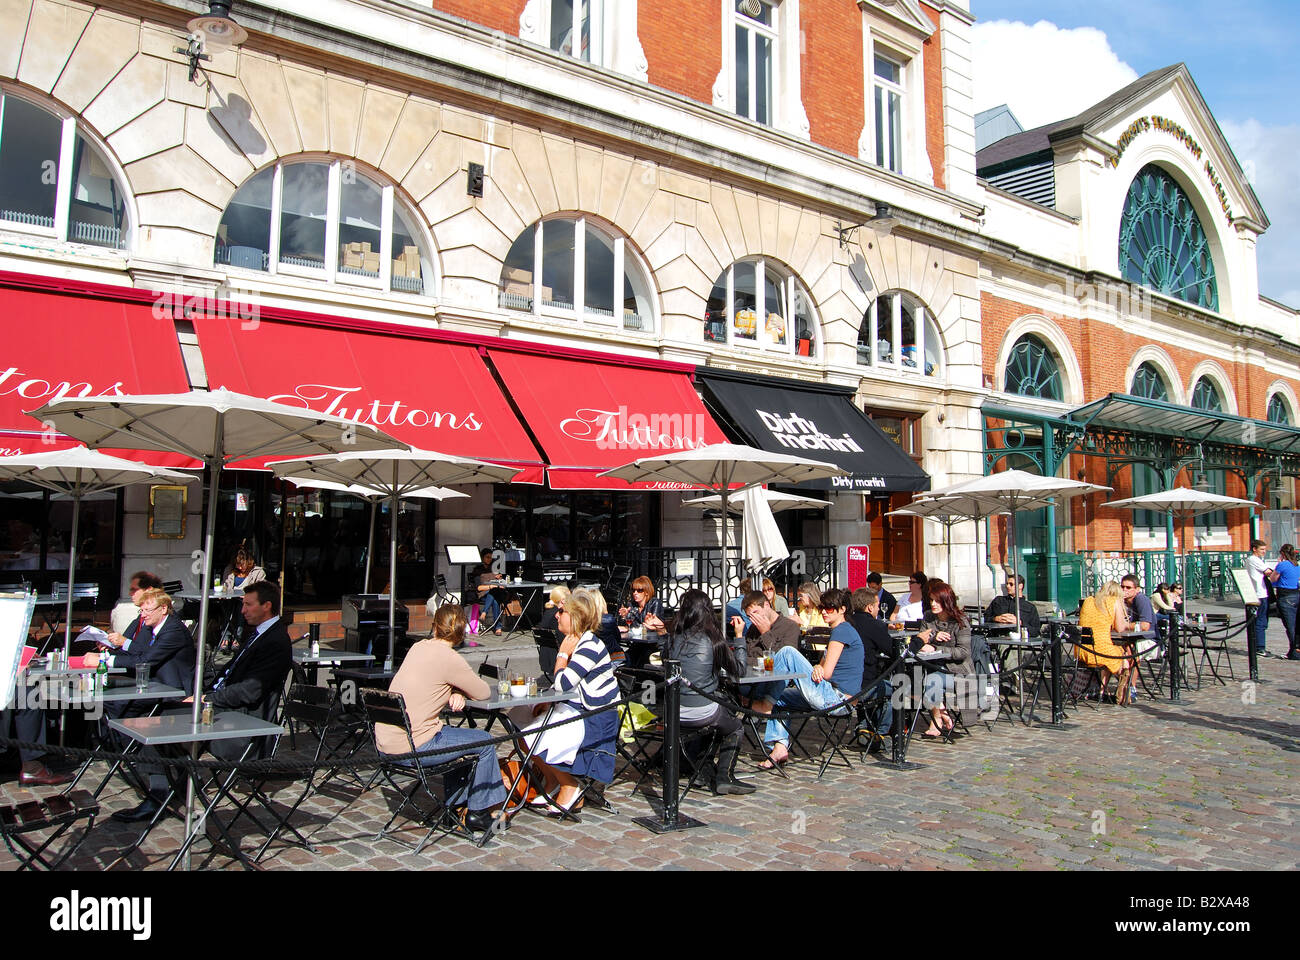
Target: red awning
591 416
429 394
61 345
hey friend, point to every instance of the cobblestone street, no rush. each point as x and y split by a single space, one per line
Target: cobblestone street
1207 783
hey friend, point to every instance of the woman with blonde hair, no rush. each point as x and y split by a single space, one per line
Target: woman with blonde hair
582 747
808 606
1104 614
433 677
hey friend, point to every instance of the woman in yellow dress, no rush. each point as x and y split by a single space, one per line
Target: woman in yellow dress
1104 614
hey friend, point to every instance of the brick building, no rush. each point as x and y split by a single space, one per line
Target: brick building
428 216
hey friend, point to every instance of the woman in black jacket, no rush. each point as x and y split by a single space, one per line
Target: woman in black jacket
697 641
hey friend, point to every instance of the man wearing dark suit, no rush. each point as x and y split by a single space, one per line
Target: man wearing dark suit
251 683
159 638
888 602
878 648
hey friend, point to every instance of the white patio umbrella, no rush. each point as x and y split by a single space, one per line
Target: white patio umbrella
1183 503
395 474
949 511
219 427
776 500
720 466
80 473
1016 490
761 542
372 497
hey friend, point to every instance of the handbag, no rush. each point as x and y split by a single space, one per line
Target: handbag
524 791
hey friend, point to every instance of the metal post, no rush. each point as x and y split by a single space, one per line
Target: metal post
393 505
1252 657
1058 707
671 819
72 572
1175 665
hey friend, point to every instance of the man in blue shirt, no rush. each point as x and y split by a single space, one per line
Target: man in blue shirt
838 676
1141 614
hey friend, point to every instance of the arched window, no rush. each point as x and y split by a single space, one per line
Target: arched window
54 181
1148 382
1032 370
758 303
899 318
1206 396
1278 410
1162 244
324 219
585 272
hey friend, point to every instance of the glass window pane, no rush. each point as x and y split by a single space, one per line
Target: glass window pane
637 313
763 79
517 274
244 236
360 225
408 265
562 26
593 517
908 336
557 264
745 300
742 71
550 522
884 329
887 69
97 210
584 24
882 148
774 303
865 339
933 348
29 163
895 132
20 536
715 312
598 275
95 534
303 203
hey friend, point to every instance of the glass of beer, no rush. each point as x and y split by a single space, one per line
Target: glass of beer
768 664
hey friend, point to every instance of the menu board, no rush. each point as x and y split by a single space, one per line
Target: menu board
15 620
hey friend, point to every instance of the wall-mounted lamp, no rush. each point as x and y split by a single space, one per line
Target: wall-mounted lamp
211 34
882 221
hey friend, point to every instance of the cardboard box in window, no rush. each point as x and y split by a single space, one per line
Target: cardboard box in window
370 262
516 275
352 259
517 289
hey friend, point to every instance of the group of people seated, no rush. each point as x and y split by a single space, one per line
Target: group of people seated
1116 609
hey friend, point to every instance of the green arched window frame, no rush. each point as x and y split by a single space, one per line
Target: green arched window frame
1162 244
1032 370
1148 383
1278 410
1206 396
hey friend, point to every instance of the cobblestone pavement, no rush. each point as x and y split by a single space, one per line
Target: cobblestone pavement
1207 783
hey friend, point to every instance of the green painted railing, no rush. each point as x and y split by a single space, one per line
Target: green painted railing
1208 572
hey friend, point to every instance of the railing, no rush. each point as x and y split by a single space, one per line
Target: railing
100 234
29 219
1207 571
675 570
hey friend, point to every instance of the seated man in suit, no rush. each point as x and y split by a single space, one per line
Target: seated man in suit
127 612
251 683
158 638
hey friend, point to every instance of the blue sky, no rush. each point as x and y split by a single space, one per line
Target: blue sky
1242 56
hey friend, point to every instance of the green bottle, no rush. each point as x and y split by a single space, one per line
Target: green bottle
101 674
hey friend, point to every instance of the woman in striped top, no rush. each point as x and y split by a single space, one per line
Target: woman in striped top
583 747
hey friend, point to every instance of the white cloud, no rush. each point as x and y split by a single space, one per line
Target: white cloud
1267 155
1043 72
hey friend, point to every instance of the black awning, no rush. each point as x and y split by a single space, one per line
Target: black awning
818 422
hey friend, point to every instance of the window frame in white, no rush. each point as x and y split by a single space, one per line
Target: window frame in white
925 331
625 263
788 114
793 286
615 44
888 154
898 36
70 128
339 170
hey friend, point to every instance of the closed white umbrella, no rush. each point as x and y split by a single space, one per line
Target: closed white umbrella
719 467
81 474
219 427
762 545
395 474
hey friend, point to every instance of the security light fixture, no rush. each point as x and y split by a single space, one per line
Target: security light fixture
211 34
882 221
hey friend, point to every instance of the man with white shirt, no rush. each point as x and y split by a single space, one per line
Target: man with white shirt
1257 569
158 638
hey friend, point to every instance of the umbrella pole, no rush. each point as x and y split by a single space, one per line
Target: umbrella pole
979 562
370 544
209 534
725 523
72 572
392 572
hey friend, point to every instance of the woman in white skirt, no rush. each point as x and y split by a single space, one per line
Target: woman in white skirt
581 747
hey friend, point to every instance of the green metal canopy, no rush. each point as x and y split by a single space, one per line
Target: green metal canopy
1142 415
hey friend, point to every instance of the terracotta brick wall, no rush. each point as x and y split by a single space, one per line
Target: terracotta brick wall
494 14
832 73
933 66
682 44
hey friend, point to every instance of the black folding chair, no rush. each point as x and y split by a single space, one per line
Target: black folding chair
442 593
59 813
1206 645
548 648
435 784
